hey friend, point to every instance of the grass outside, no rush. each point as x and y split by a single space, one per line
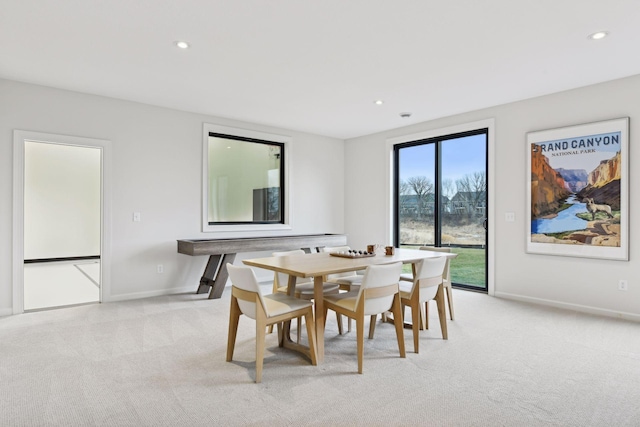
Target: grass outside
468 268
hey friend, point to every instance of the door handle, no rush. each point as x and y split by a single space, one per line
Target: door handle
484 224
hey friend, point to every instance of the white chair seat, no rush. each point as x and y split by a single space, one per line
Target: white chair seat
277 304
408 277
349 281
307 289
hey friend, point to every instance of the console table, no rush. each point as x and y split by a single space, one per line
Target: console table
222 251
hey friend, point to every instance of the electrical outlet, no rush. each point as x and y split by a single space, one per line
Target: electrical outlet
623 285
160 269
136 217
510 216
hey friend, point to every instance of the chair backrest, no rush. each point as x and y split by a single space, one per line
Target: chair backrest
244 278
378 276
447 269
282 279
337 249
429 275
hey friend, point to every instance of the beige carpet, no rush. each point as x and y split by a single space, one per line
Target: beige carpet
161 361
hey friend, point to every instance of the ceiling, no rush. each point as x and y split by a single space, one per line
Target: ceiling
318 65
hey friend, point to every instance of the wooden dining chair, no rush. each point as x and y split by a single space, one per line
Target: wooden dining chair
446 282
377 294
427 281
304 288
247 299
348 281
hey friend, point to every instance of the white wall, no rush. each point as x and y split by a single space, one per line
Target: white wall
156 169
579 283
61 201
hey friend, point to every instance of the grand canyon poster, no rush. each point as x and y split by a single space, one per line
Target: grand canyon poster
577 188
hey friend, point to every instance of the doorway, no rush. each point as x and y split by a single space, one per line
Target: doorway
441 195
61 219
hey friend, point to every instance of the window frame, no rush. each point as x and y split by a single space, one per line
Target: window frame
259 138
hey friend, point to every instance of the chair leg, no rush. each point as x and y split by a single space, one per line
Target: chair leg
442 313
339 320
450 301
416 313
260 336
426 314
360 340
234 317
372 326
311 333
282 334
269 329
299 331
326 310
397 320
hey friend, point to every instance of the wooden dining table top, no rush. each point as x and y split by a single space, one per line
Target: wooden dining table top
323 263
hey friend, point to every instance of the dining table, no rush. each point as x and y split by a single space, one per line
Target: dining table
320 265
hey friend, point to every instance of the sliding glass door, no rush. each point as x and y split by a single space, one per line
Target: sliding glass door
441 200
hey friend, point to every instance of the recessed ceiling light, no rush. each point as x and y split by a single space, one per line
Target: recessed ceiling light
182 44
378 102
599 35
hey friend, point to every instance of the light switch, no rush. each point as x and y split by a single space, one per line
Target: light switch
136 217
510 216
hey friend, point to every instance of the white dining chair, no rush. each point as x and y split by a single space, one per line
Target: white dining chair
446 281
377 294
304 288
426 281
247 299
348 281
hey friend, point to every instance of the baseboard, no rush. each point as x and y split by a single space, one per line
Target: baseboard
569 306
149 294
136 295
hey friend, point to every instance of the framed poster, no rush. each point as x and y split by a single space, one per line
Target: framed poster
578 190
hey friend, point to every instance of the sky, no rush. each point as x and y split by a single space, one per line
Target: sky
577 158
460 156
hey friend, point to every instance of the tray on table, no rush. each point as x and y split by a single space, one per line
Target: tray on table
352 255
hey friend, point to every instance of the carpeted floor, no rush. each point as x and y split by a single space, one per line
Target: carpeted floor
161 361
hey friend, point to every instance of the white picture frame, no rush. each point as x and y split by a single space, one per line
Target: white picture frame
578 190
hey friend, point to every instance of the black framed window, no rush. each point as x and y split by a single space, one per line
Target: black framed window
245 180
440 199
